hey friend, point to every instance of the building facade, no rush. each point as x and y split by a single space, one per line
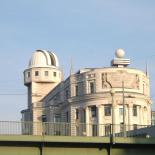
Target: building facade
90 100
153 117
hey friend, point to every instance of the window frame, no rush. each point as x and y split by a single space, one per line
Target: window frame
93 111
36 73
107 110
77 113
67 94
120 111
134 109
54 74
76 90
107 129
28 74
46 73
92 87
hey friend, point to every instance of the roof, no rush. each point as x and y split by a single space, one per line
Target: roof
43 58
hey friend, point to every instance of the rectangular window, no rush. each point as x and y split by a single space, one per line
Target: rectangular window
121 111
67 117
134 110
77 113
94 130
36 73
57 118
93 111
121 127
107 110
76 90
28 74
67 94
92 87
107 129
44 119
84 116
54 74
46 73
135 126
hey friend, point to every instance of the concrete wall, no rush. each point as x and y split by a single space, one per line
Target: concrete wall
50 145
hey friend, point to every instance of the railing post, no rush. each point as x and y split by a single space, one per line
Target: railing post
112 134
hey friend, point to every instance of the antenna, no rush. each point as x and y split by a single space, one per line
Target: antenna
71 67
146 69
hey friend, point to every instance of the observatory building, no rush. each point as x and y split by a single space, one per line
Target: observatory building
90 100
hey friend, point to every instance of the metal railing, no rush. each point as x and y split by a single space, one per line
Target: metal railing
74 129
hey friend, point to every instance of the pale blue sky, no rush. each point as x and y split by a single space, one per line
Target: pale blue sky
88 31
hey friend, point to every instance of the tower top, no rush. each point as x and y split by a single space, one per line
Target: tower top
120 61
43 58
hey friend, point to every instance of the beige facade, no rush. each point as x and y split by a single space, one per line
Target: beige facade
89 98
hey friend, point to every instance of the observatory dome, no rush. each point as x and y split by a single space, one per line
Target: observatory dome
43 58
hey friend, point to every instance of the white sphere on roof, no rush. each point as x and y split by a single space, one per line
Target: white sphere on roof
120 53
43 58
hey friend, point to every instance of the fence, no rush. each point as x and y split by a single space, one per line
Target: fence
68 129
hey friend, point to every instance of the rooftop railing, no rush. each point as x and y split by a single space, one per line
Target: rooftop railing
74 129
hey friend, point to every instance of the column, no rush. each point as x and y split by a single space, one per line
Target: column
81 122
72 124
126 115
145 115
140 115
113 111
130 116
87 121
149 114
115 119
100 120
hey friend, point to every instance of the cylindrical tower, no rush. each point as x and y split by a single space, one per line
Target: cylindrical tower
116 95
41 76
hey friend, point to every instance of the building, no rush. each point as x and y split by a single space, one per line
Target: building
153 117
41 76
89 101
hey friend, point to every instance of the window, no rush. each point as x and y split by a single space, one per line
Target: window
67 117
57 118
94 130
121 127
44 119
36 73
77 113
107 129
54 74
46 73
121 111
107 110
92 87
84 116
28 74
67 94
93 111
76 91
134 110
135 126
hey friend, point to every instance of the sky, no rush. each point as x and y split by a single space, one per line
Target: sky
86 31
